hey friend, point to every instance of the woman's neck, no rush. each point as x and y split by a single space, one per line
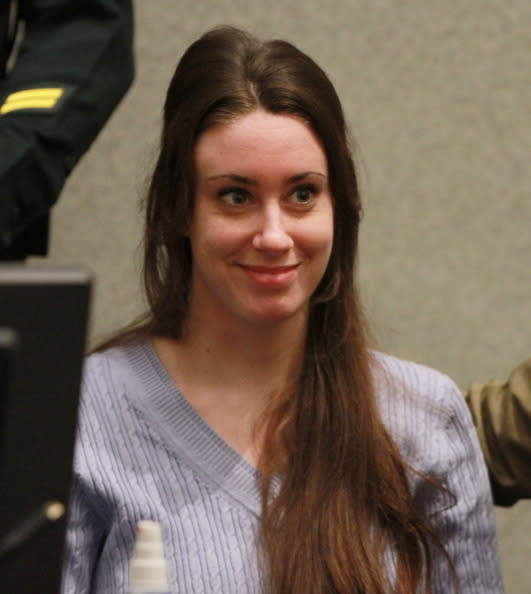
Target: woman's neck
236 356
230 372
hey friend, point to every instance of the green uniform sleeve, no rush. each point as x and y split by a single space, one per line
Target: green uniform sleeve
502 415
74 65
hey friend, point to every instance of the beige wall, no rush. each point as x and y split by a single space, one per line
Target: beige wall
437 96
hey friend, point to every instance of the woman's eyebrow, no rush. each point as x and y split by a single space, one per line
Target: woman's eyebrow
233 177
249 182
301 176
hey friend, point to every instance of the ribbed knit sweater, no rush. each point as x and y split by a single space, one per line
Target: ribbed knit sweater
144 453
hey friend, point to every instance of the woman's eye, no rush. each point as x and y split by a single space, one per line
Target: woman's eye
304 194
234 197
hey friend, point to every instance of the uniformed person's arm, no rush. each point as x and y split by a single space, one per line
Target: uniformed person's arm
502 415
74 65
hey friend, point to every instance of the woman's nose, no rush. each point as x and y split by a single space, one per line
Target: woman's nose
272 232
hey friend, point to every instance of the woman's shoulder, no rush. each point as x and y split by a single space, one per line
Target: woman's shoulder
414 384
107 373
116 359
109 390
422 408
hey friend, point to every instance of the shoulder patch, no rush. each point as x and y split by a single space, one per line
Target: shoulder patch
46 98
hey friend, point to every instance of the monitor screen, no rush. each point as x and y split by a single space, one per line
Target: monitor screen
43 328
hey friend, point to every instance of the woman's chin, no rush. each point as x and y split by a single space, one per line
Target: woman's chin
274 315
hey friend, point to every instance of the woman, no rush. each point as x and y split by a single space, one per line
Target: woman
245 411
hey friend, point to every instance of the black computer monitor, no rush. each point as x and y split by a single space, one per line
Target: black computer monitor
43 327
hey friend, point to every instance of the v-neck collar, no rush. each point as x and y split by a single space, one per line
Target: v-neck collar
183 430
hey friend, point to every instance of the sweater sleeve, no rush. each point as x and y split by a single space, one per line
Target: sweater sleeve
88 515
74 65
466 523
84 540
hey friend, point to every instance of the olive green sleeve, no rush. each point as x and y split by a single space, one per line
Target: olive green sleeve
502 415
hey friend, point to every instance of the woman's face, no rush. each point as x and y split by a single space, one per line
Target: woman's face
262 228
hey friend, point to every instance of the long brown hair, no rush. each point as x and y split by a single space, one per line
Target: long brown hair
344 501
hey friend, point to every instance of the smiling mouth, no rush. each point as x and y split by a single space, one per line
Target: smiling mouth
273 276
269 269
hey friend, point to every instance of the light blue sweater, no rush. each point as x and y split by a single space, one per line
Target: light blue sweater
144 453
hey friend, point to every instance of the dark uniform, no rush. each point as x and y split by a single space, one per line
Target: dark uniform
73 66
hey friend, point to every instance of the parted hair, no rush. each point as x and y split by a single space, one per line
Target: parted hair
344 499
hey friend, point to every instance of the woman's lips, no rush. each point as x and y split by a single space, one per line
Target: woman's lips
272 276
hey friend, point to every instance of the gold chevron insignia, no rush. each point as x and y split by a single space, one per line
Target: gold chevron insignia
41 98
